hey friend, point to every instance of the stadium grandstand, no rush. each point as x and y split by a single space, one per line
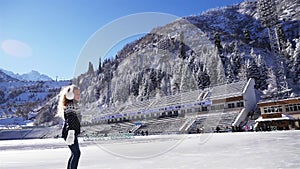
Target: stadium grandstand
225 106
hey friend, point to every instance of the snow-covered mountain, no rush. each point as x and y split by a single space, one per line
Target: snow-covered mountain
30 76
219 46
6 78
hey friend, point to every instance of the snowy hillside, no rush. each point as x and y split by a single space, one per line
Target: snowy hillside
219 46
21 101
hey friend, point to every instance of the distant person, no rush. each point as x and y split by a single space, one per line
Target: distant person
146 132
143 133
218 129
68 111
246 128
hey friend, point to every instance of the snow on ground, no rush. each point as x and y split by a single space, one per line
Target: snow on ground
220 150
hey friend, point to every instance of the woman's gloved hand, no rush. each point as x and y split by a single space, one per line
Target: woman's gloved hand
70 137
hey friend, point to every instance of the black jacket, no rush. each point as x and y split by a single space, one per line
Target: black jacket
72 121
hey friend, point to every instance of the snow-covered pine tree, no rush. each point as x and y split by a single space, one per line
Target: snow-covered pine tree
212 63
253 71
242 75
187 81
120 91
143 91
271 83
263 73
217 41
296 63
281 37
235 60
247 36
203 80
177 74
182 46
229 74
221 79
165 85
289 50
134 87
152 83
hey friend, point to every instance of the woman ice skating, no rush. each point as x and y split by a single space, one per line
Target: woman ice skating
68 111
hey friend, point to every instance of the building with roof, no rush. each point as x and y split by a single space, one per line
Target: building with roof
282 114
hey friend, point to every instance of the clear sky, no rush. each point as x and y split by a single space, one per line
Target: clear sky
48 35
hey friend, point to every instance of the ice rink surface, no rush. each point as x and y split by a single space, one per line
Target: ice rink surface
257 150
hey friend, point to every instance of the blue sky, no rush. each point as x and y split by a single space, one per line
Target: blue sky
49 35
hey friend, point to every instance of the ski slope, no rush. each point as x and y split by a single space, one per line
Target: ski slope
256 150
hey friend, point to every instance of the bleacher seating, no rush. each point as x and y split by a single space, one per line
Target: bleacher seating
207 121
228 89
163 126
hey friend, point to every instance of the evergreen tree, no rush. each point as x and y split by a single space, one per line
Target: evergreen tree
253 71
217 41
221 78
243 73
98 93
91 68
176 79
235 61
187 81
182 46
213 66
281 37
134 87
289 50
166 85
229 74
152 83
247 36
2 97
262 79
144 89
99 67
271 83
296 62
153 79
203 80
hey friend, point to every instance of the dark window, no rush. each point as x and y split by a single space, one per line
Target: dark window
240 104
295 107
231 105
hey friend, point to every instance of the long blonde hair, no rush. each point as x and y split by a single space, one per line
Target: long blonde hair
63 100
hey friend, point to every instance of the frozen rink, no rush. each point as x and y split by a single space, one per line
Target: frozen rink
220 150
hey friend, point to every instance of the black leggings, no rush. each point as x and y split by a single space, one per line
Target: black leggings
73 160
